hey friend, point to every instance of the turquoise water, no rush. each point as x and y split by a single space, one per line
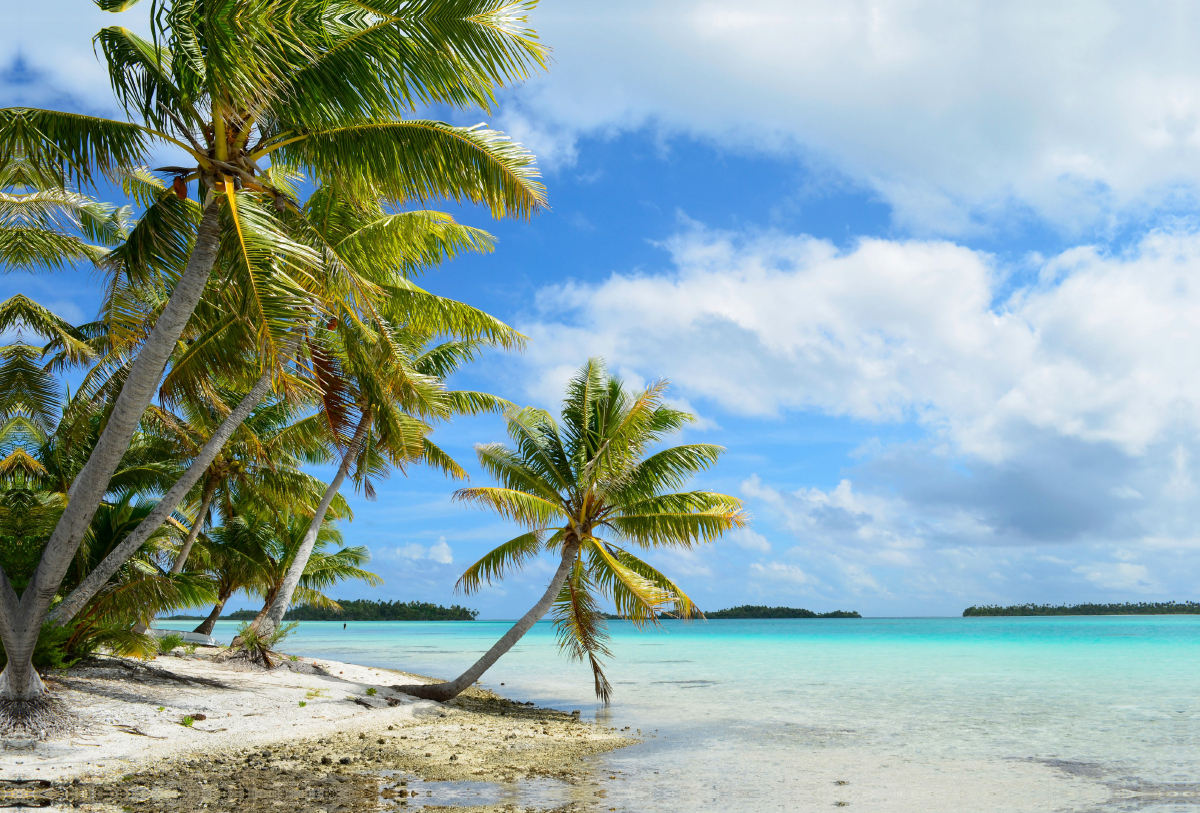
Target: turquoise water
1094 713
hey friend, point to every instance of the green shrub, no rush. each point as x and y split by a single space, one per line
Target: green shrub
187 722
302 704
167 643
251 640
54 649
371 692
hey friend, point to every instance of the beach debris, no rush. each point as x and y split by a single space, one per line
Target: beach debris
129 729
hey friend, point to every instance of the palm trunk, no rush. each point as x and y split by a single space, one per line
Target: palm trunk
451 689
20 630
266 608
206 626
100 575
295 572
181 558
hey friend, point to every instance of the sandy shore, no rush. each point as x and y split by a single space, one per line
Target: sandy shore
313 728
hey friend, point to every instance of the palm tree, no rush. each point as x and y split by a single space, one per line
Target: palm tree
374 359
140 587
233 553
316 85
322 570
256 546
579 489
349 235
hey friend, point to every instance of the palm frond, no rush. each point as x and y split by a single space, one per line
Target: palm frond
512 555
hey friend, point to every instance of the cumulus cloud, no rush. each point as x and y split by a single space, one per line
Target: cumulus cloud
749 539
46 55
439 552
778 571
957 112
762 323
1117 576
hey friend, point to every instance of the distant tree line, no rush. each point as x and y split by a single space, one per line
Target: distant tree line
362 610
757 611
1142 608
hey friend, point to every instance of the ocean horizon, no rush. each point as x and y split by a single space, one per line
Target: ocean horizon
1063 713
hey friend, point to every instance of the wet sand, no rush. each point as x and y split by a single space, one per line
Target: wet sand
312 735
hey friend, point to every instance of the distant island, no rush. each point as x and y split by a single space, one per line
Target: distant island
360 610
756 611
1144 608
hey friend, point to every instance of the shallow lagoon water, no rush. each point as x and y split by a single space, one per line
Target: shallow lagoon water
1081 713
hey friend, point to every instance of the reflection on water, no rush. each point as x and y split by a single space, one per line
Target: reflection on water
254 791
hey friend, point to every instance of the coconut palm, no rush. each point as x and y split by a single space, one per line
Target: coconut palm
317 85
373 360
140 587
224 332
581 489
323 569
255 547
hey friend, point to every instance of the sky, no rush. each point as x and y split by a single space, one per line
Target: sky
930 272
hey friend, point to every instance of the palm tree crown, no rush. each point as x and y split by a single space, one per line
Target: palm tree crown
588 489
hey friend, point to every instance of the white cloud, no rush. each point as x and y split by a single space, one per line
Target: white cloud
440 552
46 53
748 539
955 111
764 322
676 563
411 551
1125 493
778 571
1117 576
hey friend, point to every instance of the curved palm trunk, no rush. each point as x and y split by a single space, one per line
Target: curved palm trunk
20 629
185 550
291 580
453 688
100 575
256 622
206 626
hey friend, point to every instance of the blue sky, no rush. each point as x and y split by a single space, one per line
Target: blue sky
927 270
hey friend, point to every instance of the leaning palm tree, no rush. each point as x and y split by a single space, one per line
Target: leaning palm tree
323 569
315 84
580 489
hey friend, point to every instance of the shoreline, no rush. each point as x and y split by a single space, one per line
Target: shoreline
315 718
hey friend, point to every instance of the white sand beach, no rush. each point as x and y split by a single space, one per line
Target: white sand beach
318 718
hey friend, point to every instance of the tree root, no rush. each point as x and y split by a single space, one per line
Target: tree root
42 718
252 659
428 691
